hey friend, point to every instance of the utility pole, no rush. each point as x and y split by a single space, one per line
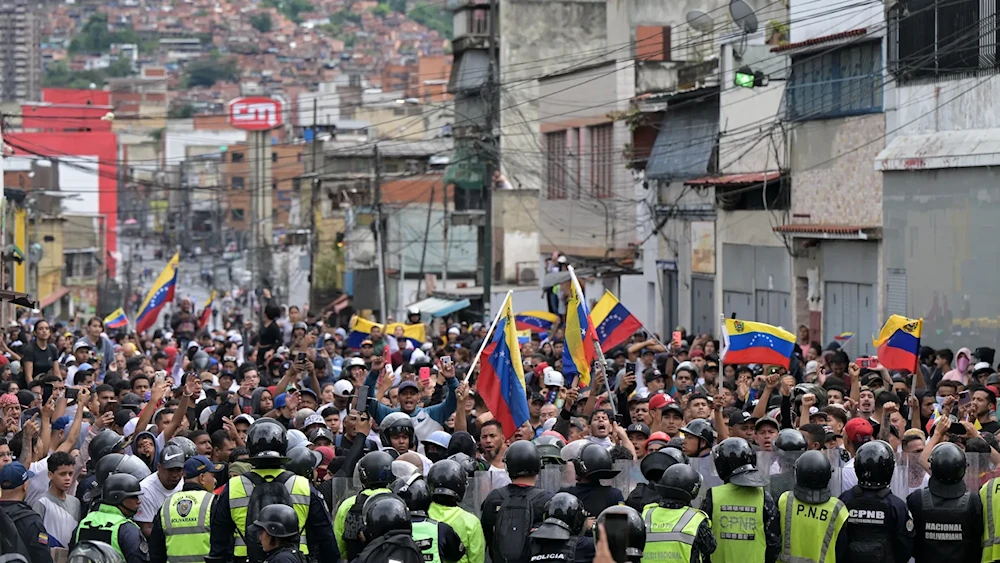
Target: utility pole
313 203
444 257
492 154
379 251
423 253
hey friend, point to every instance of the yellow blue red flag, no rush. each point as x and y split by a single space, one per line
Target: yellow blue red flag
159 295
898 343
117 319
748 342
579 353
501 378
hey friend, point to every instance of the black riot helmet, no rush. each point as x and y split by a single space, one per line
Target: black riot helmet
119 487
679 482
655 463
627 542
567 509
302 462
549 448
948 464
91 551
134 467
185 444
386 513
700 428
594 462
414 492
522 459
812 477
736 463
267 441
104 443
448 481
874 463
375 470
278 520
107 466
791 440
469 464
399 424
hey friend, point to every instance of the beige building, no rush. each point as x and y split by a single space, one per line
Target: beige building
20 51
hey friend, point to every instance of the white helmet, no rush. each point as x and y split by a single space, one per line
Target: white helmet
356 362
553 378
413 311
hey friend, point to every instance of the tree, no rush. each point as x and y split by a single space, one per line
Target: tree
181 112
290 8
261 21
206 72
382 10
95 37
433 16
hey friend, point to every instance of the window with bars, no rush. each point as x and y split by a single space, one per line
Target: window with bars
847 81
940 37
602 157
555 165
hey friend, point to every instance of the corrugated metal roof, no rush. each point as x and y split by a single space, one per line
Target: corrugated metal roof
824 40
969 148
735 179
683 147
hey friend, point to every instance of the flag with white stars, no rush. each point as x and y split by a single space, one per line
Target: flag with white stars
159 295
578 351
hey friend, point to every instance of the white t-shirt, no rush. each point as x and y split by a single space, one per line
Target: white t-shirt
153 495
499 477
40 482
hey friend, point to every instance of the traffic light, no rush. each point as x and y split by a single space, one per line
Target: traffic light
747 78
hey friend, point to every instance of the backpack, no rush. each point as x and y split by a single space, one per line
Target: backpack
265 493
397 548
514 521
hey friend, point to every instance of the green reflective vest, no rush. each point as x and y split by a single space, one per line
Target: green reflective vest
185 517
340 519
738 523
670 532
990 495
240 489
425 534
102 525
809 531
468 528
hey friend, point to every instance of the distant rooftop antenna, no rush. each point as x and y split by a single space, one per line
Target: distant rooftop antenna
700 21
743 16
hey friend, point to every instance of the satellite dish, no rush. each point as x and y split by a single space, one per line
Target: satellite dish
700 21
743 15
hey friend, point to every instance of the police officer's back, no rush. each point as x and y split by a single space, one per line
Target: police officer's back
14 482
101 444
232 529
626 533
560 536
511 512
436 540
652 467
448 481
948 519
879 526
375 472
744 516
675 531
388 532
279 534
811 519
94 552
593 464
788 446
112 522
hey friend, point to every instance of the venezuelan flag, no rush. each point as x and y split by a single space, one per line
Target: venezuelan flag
843 337
361 330
748 342
501 378
536 321
117 319
614 323
898 343
523 336
159 295
206 313
578 352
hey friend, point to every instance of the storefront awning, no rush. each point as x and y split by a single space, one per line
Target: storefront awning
836 232
439 306
53 297
970 148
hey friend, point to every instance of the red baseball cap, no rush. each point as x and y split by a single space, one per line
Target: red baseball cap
858 431
697 353
659 400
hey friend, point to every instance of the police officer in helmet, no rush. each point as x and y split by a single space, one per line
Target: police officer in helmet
789 444
674 530
507 539
592 465
94 552
652 467
561 537
699 437
745 518
375 473
14 479
947 518
112 522
879 526
811 519
180 528
436 540
388 532
233 532
626 533
448 481
279 534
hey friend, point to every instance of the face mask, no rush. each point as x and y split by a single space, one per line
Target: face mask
963 364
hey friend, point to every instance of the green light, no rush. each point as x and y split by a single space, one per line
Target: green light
744 77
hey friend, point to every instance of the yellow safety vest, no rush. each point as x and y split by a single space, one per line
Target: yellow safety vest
738 523
185 517
240 489
990 494
670 532
809 531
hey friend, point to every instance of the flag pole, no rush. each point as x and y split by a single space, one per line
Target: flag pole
489 335
597 345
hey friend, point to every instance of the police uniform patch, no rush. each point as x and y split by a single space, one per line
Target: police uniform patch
184 507
144 547
909 525
43 538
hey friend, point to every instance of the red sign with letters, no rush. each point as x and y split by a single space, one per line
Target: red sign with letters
255 114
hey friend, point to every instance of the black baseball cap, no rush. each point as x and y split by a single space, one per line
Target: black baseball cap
639 428
739 417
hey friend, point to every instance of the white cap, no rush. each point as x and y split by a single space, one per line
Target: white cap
553 378
812 366
454 330
356 362
982 365
343 388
